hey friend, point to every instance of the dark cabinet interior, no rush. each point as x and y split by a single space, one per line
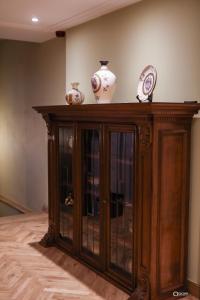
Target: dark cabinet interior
66 189
121 200
119 191
90 189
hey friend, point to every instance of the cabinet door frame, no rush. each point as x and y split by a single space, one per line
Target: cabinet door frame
97 263
70 247
132 128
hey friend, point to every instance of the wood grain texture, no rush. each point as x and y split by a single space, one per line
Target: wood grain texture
161 197
172 149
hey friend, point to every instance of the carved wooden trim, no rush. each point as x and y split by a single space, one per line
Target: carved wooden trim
173 118
145 136
47 118
51 139
134 109
142 292
49 238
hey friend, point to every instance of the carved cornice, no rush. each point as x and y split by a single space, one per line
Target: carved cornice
48 122
47 119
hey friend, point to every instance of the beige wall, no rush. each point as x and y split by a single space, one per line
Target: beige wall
30 74
47 88
15 60
162 33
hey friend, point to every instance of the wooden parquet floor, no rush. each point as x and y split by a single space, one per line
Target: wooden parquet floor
31 272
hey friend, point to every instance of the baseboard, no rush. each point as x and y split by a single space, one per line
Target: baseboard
193 289
15 205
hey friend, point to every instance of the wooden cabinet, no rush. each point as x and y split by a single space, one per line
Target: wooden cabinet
119 191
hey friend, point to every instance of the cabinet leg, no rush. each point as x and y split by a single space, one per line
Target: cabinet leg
48 238
142 292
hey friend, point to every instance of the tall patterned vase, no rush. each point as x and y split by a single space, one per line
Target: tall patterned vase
103 84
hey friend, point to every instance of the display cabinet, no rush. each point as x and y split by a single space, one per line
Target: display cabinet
119 191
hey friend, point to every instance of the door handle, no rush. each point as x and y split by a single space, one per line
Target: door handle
69 201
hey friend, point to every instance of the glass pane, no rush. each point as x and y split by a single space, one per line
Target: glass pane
65 182
90 205
121 200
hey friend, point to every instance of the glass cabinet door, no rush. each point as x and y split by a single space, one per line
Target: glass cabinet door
121 201
66 191
90 206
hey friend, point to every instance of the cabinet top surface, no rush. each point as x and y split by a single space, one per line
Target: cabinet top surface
171 108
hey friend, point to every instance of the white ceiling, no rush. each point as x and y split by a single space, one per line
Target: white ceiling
16 15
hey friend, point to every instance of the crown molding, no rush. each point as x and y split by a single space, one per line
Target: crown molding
92 13
34 27
41 33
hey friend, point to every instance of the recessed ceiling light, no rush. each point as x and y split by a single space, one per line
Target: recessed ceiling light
35 20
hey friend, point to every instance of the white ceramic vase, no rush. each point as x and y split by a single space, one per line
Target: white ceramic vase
74 96
103 84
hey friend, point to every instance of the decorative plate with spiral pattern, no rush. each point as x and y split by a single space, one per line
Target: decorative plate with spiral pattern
147 83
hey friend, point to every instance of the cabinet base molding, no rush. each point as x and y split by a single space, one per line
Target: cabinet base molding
193 289
48 239
143 290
